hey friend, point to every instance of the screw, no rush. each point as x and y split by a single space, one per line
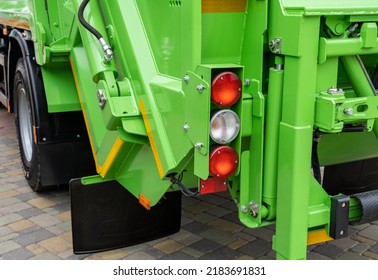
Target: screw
198 146
186 127
348 111
254 214
342 232
101 98
186 79
200 88
247 82
275 45
244 209
333 90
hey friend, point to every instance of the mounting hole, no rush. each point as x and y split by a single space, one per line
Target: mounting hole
362 108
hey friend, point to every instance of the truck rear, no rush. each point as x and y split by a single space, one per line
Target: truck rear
137 102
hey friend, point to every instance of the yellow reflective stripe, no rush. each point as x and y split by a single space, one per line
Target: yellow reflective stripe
151 138
316 237
224 6
113 153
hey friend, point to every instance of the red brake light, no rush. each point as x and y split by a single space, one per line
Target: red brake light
226 89
223 161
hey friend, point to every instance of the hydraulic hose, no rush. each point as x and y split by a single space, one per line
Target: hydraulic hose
108 52
87 26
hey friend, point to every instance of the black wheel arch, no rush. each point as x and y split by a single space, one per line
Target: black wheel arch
20 47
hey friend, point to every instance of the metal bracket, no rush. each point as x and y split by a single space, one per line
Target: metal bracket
359 109
333 110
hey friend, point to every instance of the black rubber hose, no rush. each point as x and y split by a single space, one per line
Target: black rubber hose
87 26
185 191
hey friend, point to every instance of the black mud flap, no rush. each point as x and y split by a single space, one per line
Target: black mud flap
106 216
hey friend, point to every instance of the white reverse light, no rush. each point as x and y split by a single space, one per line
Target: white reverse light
224 126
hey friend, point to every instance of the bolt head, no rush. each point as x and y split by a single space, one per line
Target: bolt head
198 146
348 111
186 127
200 88
333 90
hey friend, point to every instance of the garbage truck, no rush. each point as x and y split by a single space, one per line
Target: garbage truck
135 103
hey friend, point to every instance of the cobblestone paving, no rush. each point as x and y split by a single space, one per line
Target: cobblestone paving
38 226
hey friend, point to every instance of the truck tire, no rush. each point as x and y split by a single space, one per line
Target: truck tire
24 116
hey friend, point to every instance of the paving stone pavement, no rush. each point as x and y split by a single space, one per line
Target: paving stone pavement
38 226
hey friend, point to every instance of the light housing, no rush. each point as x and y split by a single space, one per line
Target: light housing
226 89
223 161
224 126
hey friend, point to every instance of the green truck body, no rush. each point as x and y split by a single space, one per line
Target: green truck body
272 100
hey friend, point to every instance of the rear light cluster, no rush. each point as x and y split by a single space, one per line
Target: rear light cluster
226 90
